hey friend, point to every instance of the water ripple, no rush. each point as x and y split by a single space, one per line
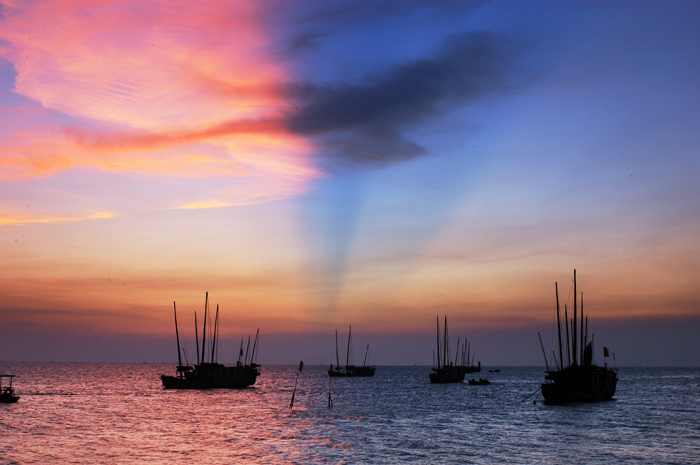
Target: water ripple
102 413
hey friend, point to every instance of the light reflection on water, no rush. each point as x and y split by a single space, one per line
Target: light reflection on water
87 413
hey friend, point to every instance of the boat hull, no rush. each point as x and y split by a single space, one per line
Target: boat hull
214 376
447 375
7 393
591 384
352 372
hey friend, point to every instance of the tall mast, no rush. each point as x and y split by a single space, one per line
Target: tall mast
366 355
444 345
437 318
543 352
216 330
574 345
337 359
347 354
583 339
568 348
177 337
457 353
561 360
196 336
255 345
204 330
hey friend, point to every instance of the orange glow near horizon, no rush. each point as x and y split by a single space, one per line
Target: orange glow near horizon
322 164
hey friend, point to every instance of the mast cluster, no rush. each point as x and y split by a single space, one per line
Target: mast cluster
576 340
210 354
463 357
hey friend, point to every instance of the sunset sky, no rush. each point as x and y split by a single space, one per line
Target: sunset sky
315 164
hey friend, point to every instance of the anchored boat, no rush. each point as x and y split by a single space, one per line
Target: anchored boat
446 371
211 374
577 380
350 370
7 393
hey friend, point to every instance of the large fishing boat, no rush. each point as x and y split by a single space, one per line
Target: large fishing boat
445 371
7 393
577 379
208 374
350 370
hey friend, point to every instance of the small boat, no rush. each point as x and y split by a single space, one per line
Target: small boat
7 393
479 382
349 370
579 380
210 374
445 371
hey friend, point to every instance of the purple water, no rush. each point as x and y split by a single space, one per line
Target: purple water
113 413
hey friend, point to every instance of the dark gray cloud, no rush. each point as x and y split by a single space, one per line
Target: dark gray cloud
366 122
353 13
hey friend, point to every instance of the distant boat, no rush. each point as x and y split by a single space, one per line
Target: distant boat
479 382
579 380
445 371
350 371
210 374
7 393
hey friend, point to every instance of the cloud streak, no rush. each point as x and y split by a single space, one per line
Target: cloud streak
165 89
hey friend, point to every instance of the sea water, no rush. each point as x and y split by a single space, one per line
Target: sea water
119 414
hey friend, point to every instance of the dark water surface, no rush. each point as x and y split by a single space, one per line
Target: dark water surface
112 413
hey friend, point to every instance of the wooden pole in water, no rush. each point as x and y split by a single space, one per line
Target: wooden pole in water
177 337
330 399
301 367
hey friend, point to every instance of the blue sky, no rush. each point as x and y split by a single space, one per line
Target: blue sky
317 164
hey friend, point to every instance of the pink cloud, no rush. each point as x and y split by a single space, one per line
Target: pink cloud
165 88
